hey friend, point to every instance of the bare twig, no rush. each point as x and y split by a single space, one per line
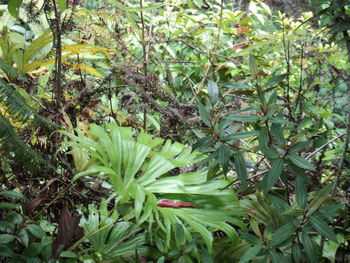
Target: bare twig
323 146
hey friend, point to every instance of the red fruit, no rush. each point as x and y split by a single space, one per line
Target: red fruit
170 203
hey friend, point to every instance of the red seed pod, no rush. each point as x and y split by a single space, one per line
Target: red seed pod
170 203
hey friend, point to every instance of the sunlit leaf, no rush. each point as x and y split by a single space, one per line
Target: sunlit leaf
62 4
13 7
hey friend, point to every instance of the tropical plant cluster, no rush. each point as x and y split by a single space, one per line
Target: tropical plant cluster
174 131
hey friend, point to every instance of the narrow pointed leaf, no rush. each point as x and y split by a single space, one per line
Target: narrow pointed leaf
241 168
204 113
274 173
239 135
243 118
301 192
12 194
322 227
252 66
250 254
282 234
301 162
296 254
310 248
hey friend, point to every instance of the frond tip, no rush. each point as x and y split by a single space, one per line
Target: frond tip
10 142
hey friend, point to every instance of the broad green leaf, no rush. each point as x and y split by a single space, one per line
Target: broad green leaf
301 162
330 248
6 226
145 161
243 118
36 231
12 194
250 254
300 192
310 248
23 237
6 238
13 7
33 249
282 234
6 251
322 227
272 176
213 91
204 113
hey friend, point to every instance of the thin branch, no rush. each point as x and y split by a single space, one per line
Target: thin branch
323 146
145 58
342 160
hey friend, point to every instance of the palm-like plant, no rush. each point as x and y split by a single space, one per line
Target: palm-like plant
138 170
114 239
14 105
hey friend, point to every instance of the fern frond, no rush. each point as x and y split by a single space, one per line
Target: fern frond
12 143
15 103
17 107
10 71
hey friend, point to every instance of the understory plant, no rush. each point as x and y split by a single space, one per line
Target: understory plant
183 206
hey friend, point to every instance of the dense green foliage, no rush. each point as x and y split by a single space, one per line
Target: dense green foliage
174 131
